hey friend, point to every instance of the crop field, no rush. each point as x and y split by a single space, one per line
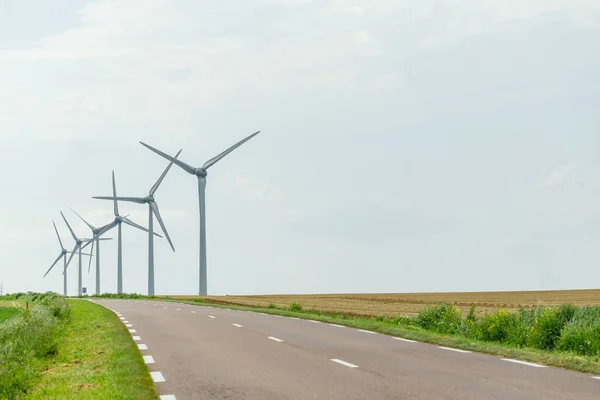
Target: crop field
411 303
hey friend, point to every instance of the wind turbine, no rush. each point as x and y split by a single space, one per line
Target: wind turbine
117 222
96 232
63 255
201 174
78 246
152 211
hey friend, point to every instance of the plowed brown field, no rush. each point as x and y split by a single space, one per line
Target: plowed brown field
411 303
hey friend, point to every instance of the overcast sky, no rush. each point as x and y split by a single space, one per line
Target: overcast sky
405 146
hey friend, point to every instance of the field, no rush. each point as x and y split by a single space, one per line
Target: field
411 303
9 309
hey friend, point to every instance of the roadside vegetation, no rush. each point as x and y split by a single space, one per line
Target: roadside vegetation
28 339
564 336
54 348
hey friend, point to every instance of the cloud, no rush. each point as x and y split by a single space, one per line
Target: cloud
558 177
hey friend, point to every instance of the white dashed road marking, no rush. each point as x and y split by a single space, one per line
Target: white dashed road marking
179 309
148 359
313 321
275 339
405 340
142 347
132 331
129 325
596 377
157 376
210 316
193 312
362 330
121 317
238 325
339 326
451 349
524 363
168 397
125 322
137 338
347 364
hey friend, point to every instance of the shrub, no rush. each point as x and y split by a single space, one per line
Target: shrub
272 306
27 339
295 307
547 327
443 318
581 334
497 327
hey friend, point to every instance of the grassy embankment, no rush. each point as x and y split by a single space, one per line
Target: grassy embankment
564 336
70 350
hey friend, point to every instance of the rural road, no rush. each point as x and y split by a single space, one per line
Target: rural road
198 352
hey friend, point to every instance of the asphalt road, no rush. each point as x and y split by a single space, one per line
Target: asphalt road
210 353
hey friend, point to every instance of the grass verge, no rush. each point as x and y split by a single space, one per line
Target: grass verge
95 359
408 328
7 313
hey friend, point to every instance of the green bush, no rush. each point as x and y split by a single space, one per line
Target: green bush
497 327
581 334
443 318
27 339
295 307
546 329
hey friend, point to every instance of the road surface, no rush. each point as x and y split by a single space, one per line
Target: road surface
210 353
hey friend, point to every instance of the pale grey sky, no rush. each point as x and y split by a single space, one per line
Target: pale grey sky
406 145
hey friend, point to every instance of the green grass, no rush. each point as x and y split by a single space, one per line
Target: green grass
96 359
8 312
445 328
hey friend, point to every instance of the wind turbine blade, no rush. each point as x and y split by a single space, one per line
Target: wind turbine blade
159 181
107 228
53 264
90 264
154 207
229 150
72 254
139 200
88 241
69 226
115 194
57 235
184 166
105 239
130 222
87 223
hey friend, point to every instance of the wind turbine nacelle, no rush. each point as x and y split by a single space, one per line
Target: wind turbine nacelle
201 172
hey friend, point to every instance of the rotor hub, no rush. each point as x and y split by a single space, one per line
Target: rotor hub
200 172
149 199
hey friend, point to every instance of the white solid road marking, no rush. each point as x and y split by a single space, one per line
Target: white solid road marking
132 331
451 349
405 340
137 338
157 376
524 363
149 360
238 325
362 330
313 321
142 347
168 397
210 316
347 364
339 326
275 339
128 325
